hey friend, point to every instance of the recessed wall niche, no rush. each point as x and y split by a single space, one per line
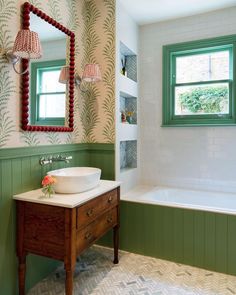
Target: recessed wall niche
128 154
128 62
128 105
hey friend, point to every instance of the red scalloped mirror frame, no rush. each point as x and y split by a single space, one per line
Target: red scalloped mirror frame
25 125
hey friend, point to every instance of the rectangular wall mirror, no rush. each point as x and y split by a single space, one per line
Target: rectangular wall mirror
47 104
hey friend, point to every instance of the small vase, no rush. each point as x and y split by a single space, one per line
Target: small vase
48 192
129 119
48 195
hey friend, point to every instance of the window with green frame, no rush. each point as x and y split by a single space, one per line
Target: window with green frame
48 95
198 82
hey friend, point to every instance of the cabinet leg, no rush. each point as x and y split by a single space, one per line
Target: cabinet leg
69 282
21 274
116 244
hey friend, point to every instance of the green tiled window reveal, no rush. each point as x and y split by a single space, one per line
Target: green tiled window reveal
37 69
170 55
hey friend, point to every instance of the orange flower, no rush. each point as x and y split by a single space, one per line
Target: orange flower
48 180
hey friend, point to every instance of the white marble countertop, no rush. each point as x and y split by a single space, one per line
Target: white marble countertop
67 200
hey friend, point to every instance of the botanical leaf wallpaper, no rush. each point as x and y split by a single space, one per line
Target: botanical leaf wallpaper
93 22
109 74
7 86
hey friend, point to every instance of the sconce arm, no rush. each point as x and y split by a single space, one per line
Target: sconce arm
78 82
14 60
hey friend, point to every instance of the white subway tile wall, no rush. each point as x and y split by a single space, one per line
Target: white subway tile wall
189 157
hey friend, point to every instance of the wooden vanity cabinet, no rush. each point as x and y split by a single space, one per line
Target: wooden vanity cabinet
64 233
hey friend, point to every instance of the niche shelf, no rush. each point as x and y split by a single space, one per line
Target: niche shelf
128 86
128 60
128 155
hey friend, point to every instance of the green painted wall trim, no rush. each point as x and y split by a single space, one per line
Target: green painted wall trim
19 172
101 146
10 153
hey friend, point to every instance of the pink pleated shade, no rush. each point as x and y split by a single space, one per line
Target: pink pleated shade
27 45
64 75
92 73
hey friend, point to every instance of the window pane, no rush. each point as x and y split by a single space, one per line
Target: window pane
202 99
50 83
52 106
202 67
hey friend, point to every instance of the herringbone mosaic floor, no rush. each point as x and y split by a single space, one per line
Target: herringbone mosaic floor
135 274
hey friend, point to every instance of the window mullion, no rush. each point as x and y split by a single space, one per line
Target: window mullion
203 83
50 93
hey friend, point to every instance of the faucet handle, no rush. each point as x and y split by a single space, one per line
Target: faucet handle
43 161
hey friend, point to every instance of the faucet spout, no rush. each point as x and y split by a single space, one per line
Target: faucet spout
60 158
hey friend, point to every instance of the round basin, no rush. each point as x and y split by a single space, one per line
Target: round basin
75 179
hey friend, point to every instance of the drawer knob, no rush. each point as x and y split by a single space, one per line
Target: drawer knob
90 213
109 219
88 236
110 199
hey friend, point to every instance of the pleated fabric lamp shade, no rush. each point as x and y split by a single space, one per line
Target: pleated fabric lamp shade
92 73
64 75
27 45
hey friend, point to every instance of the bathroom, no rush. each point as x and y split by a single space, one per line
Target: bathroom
119 127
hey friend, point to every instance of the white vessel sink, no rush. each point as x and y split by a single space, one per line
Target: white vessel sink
75 179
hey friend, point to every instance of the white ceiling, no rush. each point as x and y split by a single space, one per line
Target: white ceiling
45 31
149 11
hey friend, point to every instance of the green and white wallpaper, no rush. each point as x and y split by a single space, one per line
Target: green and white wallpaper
93 22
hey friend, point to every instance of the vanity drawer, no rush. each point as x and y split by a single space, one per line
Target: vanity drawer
88 235
89 211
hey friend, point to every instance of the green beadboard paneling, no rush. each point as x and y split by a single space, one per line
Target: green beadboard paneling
178 234
158 229
231 239
188 232
198 238
19 172
221 250
102 156
210 243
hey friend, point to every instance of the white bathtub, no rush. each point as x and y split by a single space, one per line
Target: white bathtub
190 199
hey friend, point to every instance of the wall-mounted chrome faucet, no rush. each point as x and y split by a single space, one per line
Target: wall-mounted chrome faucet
59 158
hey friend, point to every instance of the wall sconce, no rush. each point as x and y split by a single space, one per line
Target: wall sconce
27 45
91 74
64 75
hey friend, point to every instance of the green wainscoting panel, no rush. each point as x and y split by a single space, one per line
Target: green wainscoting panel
231 239
210 242
178 234
198 238
188 235
103 157
19 172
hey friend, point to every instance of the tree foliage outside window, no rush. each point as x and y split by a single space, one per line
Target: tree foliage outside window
205 100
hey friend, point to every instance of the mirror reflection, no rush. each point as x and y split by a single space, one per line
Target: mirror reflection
47 94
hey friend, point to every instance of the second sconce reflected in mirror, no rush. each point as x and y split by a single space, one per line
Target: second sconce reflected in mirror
90 74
